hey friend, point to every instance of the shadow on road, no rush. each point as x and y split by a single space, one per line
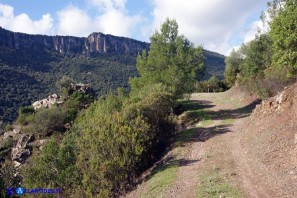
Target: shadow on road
195 105
234 113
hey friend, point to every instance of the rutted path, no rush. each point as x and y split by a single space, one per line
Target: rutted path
211 158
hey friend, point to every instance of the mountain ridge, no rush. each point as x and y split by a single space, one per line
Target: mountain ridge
30 65
96 42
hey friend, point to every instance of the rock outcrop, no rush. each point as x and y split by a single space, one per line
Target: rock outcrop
96 43
12 133
23 148
83 88
48 102
283 101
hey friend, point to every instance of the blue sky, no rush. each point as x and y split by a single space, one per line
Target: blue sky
216 24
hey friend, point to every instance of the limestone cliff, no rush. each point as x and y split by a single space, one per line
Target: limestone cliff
96 43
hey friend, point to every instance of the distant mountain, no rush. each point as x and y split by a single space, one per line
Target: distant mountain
215 65
95 43
30 65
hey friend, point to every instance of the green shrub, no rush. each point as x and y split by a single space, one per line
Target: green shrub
60 172
211 85
25 115
5 147
8 127
8 178
110 161
255 85
47 120
7 142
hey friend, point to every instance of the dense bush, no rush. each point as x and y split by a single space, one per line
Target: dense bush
8 178
46 121
25 115
54 167
283 32
211 85
127 133
109 162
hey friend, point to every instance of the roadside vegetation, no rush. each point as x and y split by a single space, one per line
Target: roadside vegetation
118 136
214 184
269 62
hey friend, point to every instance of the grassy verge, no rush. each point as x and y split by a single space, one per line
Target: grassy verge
215 184
193 114
228 121
161 180
165 176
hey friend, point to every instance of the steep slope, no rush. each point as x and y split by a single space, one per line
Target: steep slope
230 150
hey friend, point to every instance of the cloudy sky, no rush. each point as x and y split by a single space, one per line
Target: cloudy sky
219 25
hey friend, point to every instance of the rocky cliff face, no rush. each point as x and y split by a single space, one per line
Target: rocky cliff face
96 43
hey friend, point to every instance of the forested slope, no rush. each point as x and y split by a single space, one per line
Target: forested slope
30 65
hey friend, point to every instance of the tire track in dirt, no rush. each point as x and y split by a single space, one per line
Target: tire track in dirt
222 146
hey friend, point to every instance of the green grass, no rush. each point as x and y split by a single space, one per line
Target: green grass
228 121
160 181
165 176
215 184
188 105
184 137
193 114
206 122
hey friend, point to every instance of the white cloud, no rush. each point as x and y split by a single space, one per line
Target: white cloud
23 23
210 23
73 21
251 33
233 48
111 18
117 23
257 27
108 4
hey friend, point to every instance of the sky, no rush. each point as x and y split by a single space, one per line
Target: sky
217 25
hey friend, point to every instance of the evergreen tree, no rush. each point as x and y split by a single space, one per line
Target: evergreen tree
232 66
173 61
284 35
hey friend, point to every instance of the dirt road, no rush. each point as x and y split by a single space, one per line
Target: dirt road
220 155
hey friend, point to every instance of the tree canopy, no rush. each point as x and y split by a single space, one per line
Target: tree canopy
284 35
172 60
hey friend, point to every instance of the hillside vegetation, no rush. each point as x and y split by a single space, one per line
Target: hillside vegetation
269 62
30 73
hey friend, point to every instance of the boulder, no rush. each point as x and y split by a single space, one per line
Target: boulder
12 133
48 102
16 164
22 149
39 144
83 88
